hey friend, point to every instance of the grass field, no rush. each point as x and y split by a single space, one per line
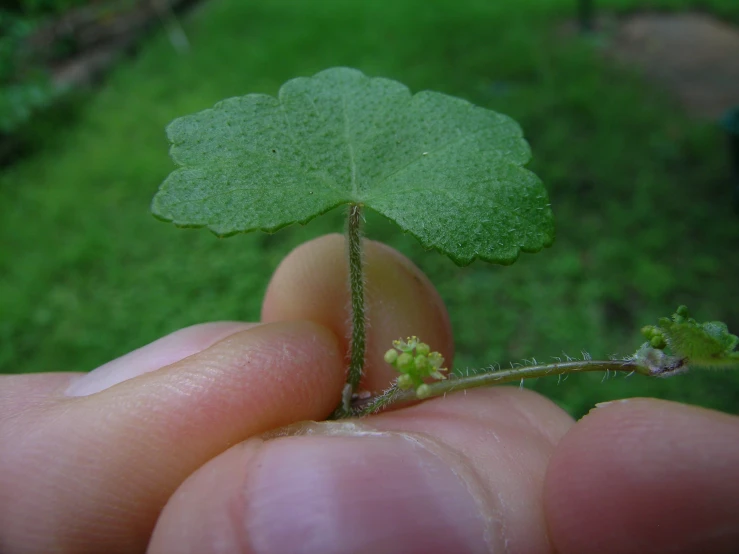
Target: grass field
640 193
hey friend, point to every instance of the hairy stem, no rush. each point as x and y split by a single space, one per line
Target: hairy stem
356 285
394 394
358 317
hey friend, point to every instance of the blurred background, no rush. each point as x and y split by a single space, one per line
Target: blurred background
621 100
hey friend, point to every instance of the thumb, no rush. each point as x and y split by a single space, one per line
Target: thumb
460 474
312 284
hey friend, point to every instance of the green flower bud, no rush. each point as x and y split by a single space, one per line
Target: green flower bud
404 362
390 356
658 342
422 364
649 331
405 381
424 391
423 349
682 311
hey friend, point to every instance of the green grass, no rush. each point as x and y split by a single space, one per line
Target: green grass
639 191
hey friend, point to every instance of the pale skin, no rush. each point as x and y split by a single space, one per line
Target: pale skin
163 450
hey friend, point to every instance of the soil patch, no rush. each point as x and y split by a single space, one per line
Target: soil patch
694 56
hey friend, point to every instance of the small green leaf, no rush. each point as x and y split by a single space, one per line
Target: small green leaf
692 344
703 344
444 170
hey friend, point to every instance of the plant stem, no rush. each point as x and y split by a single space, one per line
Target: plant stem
394 394
358 342
356 286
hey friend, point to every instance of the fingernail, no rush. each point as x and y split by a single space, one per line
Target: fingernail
160 353
604 404
359 491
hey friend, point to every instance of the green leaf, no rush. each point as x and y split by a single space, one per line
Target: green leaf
692 344
446 171
706 344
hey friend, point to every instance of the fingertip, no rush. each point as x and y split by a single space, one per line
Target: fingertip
646 476
312 284
278 372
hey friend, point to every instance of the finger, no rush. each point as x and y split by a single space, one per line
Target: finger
19 393
90 474
646 476
163 352
312 284
459 474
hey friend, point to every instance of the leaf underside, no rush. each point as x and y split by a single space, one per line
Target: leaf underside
448 172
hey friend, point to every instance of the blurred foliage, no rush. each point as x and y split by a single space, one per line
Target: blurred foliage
23 85
639 191
35 8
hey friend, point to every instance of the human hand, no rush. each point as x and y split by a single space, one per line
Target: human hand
163 447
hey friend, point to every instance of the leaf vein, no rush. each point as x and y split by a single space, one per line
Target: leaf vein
349 144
